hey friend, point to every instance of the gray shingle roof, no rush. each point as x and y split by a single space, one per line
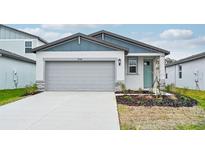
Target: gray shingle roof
11 55
138 43
184 60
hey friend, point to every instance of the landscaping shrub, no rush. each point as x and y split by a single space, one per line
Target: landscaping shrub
31 90
123 87
169 88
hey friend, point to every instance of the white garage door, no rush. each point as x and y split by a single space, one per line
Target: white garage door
80 76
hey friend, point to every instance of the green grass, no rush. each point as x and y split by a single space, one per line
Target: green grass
11 95
195 94
191 127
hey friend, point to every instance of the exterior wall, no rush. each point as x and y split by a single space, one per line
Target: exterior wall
25 73
188 77
8 33
18 46
171 73
86 55
135 81
14 41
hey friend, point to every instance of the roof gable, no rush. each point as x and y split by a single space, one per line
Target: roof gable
7 32
131 44
191 58
79 42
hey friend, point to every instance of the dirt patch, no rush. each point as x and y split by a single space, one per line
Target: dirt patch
158 118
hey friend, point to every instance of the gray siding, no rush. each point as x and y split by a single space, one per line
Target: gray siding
6 33
84 45
97 76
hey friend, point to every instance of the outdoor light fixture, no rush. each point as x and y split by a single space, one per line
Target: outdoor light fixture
119 61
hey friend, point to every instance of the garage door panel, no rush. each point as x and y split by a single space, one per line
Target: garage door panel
70 76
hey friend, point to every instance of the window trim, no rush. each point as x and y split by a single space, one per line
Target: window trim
28 47
128 66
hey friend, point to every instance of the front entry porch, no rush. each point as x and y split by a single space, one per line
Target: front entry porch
150 71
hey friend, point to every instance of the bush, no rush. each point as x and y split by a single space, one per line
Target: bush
128 98
170 88
123 88
31 90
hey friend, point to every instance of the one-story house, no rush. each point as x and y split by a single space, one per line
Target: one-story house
100 62
187 73
17 64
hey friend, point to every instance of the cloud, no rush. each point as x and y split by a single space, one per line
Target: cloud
67 26
179 48
176 34
47 35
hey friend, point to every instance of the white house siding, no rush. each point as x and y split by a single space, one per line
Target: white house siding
135 81
188 77
86 55
25 72
171 73
18 46
14 41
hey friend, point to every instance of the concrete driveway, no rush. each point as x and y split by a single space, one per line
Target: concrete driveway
62 110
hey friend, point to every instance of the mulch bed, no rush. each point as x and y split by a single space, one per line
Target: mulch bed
153 100
135 92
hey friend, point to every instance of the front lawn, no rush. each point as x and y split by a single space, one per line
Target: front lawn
195 94
159 118
7 96
155 116
11 95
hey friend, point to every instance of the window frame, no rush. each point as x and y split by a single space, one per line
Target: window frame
180 71
28 47
166 75
128 65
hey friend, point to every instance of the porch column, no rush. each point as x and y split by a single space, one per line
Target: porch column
162 71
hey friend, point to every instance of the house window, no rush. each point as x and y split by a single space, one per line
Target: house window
132 65
180 71
166 75
28 46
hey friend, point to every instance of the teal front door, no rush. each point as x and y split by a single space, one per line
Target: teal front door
148 73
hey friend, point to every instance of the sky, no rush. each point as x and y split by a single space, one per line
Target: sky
180 40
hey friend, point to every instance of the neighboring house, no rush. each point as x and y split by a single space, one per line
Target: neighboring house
15 71
19 42
188 72
98 62
17 67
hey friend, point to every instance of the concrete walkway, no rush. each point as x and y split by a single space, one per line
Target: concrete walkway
62 110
